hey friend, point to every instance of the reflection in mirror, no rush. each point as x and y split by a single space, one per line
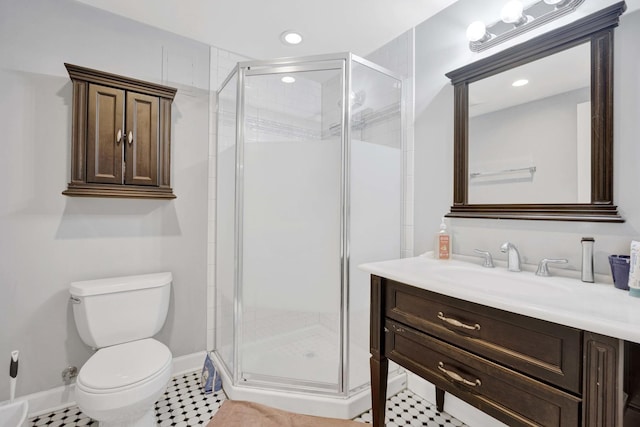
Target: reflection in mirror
530 132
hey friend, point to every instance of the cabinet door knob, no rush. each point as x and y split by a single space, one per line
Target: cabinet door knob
119 136
130 137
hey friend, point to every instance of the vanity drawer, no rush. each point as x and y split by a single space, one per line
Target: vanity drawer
509 396
544 350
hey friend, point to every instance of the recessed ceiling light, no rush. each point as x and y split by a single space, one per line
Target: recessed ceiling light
290 37
288 79
520 82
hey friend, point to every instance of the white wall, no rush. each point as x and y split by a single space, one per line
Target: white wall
441 47
48 240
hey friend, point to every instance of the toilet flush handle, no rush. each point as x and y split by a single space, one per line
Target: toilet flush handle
74 300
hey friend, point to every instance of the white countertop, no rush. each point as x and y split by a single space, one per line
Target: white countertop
594 307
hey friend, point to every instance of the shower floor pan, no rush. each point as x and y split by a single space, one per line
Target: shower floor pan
298 371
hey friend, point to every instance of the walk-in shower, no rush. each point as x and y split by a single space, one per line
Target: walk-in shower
309 184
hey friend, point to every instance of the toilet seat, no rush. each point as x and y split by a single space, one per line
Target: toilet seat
124 366
119 384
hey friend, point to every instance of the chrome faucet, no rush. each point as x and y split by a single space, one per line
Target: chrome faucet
488 261
513 256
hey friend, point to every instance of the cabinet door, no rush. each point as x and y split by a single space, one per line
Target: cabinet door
105 136
141 154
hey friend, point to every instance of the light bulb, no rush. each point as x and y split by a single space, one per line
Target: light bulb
520 82
512 12
288 79
476 31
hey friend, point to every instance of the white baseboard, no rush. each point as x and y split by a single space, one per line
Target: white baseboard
51 400
57 398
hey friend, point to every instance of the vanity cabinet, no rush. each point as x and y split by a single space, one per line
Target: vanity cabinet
632 384
121 136
520 370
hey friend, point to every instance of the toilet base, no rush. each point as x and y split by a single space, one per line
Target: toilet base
148 419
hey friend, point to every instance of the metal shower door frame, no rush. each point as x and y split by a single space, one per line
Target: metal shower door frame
283 66
342 62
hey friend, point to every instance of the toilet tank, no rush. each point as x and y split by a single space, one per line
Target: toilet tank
120 309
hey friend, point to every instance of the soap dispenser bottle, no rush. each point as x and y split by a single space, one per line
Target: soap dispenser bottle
443 242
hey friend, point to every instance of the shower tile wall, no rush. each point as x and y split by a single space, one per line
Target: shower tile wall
395 56
282 111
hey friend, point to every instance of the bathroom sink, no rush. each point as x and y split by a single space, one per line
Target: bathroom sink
562 298
500 282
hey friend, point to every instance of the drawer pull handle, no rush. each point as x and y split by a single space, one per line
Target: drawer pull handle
457 323
458 378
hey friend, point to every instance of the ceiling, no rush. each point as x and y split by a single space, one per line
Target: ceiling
252 27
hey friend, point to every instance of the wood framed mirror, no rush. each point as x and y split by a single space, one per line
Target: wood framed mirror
507 169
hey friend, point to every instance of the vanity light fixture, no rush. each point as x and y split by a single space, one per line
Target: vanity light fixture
291 37
515 19
519 83
288 79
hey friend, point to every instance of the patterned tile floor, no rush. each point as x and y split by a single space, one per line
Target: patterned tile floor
184 405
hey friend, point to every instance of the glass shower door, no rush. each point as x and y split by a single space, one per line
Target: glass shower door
375 182
290 234
225 325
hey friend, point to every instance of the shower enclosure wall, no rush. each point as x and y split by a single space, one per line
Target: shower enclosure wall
309 185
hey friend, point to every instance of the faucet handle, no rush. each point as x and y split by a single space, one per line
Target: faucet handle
488 261
543 269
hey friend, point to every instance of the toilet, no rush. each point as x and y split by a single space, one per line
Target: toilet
119 385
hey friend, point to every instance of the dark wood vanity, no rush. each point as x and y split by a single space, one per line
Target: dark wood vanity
520 370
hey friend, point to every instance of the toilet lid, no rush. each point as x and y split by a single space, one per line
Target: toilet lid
124 364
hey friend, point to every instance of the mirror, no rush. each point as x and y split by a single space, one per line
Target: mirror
542 150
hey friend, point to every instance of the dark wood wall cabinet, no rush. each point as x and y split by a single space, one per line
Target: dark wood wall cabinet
520 370
120 136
